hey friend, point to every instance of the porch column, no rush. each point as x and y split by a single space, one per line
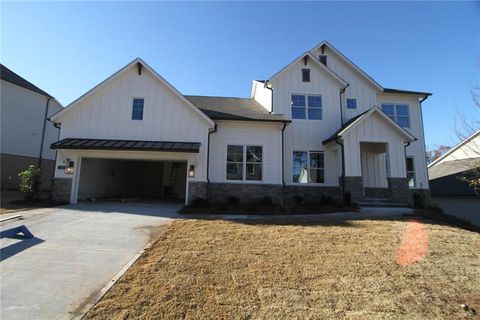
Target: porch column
353 180
397 175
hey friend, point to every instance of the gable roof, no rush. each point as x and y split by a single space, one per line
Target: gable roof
318 63
117 74
229 108
352 123
349 62
12 77
452 150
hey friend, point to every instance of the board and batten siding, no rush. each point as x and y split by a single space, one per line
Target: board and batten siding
416 149
107 114
359 87
22 120
308 135
267 135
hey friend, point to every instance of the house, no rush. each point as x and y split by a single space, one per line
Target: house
448 186
26 134
318 127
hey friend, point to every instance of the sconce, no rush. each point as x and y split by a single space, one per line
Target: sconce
69 168
191 171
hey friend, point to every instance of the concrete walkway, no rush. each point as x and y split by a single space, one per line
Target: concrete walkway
75 252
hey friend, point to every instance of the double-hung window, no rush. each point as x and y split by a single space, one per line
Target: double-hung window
308 167
410 171
244 163
137 109
398 113
308 107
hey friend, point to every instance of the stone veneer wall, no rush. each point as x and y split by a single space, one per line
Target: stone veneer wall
252 193
354 186
61 188
400 192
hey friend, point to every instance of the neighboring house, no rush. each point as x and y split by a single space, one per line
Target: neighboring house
447 179
26 134
314 128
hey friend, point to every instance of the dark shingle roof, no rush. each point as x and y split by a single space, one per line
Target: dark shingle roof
336 135
12 77
227 108
390 90
137 145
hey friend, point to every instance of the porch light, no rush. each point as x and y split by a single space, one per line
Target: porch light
69 168
191 171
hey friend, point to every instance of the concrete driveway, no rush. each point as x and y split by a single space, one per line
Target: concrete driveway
75 252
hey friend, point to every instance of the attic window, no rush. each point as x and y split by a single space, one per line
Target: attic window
306 75
323 59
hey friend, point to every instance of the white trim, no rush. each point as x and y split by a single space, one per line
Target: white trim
349 62
244 163
456 147
306 95
311 57
55 117
382 114
309 183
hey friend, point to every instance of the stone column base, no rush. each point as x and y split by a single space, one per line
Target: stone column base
353 186
399 190
61 189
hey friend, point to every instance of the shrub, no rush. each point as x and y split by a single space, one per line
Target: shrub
30 182
266 201
418 201
298 200
233 200
328 200
199 203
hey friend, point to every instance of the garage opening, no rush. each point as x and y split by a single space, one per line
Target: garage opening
115 179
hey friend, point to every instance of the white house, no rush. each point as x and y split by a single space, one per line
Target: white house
448 186
26 135
320 126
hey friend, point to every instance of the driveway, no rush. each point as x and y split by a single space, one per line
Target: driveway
75 252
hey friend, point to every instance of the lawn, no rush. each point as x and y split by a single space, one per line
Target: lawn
300 268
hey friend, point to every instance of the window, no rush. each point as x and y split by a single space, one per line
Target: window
351 103
306 107
137 109
410 171
398 113
244 163
308 167
323 59
306 75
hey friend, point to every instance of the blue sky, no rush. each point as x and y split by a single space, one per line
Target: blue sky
217 48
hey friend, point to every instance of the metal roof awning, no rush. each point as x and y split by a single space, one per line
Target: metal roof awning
126 145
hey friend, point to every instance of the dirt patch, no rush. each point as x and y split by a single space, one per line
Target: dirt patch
266 209
203 269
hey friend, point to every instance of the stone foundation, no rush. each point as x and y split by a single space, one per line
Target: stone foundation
61 189
353 186
379 193
253 193
400 192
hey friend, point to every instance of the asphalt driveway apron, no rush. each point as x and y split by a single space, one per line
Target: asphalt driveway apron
76 250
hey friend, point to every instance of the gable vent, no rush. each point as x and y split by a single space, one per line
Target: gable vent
323 59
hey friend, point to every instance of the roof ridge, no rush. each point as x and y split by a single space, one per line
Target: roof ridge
224 97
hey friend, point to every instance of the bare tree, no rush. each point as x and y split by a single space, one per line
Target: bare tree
437 152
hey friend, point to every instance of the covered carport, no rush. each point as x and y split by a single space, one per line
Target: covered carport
127 170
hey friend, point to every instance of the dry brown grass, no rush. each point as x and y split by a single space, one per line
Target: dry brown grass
204 269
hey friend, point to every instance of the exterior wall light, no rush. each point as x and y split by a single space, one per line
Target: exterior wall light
69 168
191 171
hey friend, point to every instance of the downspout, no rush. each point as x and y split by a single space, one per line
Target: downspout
271 95
215 129
283 154
342 91
342 187
43 132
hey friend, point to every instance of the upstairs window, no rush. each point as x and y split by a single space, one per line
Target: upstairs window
306 107
323 59
351 103
137 109
306 75
398 113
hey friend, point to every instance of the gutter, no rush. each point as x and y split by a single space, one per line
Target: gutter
342 91
215 129
342 186
45 118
